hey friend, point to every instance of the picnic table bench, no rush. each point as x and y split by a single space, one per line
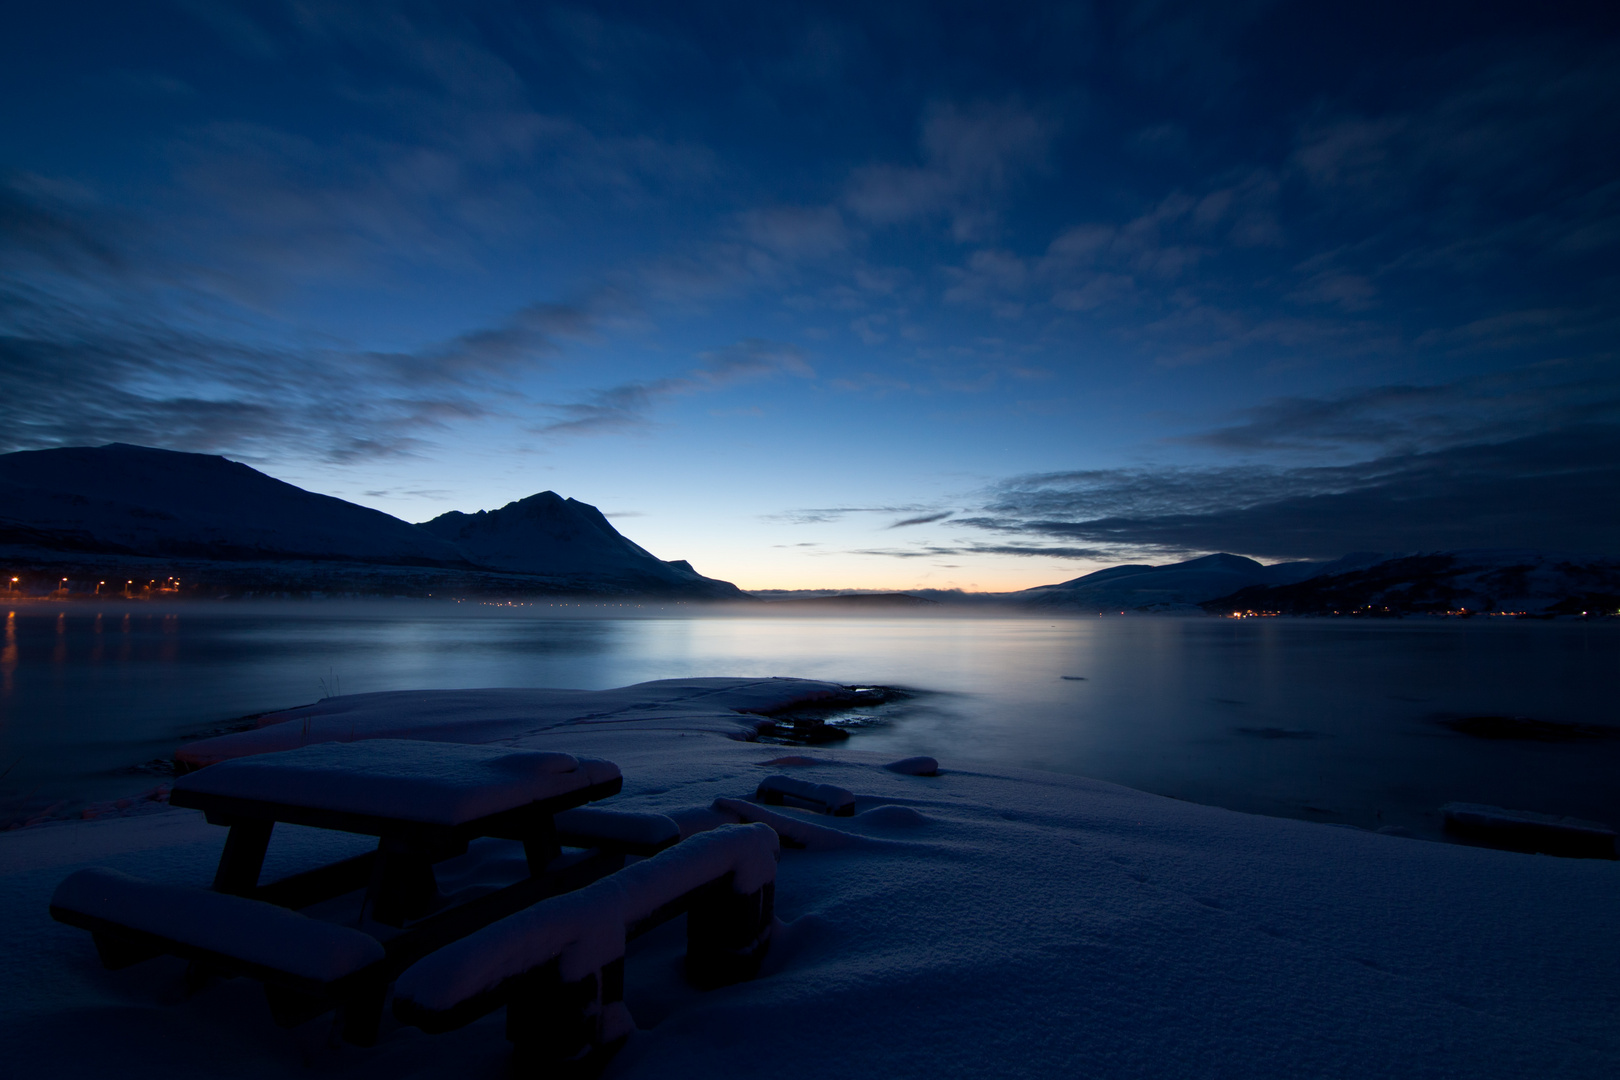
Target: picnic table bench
558 967
424 801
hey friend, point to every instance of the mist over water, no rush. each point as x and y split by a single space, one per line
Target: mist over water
1327 720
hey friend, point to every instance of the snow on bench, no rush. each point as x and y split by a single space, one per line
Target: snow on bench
403 779
777 790
558 966
618 830
1525 830
307 966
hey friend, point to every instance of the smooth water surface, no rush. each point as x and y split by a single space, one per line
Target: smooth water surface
1330 720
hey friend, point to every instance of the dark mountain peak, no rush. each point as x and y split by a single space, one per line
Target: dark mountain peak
124 500
542 518
1218 561
1173 586
548 534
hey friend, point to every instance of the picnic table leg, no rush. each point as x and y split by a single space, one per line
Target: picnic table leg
402 884
555 1027
362 1013
728 934
243 857
540 848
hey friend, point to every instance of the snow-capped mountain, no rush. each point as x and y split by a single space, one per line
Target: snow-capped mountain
1532 582
1176 586
90 507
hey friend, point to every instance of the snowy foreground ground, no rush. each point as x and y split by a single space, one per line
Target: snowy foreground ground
984 922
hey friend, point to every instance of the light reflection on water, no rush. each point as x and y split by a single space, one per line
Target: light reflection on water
1327 720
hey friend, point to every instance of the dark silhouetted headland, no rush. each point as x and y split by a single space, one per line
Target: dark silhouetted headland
131 513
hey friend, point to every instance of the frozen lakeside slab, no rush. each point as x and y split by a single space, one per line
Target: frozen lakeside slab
1525 830
402 779
731 707
233 926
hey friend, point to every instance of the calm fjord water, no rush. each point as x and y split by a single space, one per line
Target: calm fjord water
1329 720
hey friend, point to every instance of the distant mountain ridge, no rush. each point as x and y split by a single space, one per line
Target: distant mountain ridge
1363 583
135 500
1529 582
1173 587
99 505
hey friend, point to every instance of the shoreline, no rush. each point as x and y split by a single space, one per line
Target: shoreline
988 921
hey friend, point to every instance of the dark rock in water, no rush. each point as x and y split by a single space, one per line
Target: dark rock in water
829 719
1530 832
808 732
1277 733
1072 678
1523 727
914 766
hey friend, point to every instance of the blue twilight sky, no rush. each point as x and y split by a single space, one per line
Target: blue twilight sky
840 295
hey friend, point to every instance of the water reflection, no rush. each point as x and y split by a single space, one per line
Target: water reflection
8 657
1326 720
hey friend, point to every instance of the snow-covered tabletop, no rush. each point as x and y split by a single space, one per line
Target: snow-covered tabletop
429 783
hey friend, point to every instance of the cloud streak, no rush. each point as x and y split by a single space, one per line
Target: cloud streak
925 519
631 405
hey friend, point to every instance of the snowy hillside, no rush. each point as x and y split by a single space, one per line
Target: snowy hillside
1177 586
118 510
1518 581
135 500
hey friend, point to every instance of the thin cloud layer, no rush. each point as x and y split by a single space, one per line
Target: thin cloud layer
631 405
1552 491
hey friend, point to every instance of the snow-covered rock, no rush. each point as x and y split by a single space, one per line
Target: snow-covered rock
1526 830
826 798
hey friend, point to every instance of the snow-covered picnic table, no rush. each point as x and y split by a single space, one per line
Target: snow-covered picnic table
423 801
